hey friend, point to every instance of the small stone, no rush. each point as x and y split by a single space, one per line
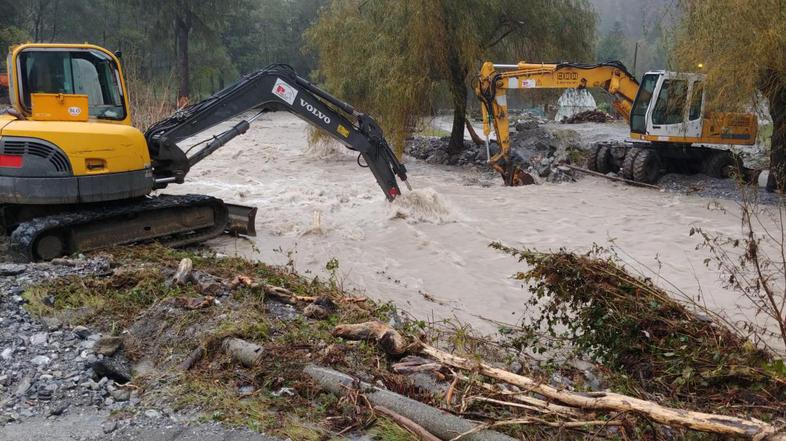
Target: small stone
23 386
41 360
315 311
81 332
39 339
58 409
52 323
108 345
7 353
11 269
109 426
120 395
108 401
115 368
151 413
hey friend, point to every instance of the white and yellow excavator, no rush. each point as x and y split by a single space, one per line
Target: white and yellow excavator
669 128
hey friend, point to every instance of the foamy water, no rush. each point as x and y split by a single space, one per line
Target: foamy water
428 251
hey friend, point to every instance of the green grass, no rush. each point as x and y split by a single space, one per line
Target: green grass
433 132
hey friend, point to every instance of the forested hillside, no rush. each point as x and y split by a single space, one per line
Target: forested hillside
222 38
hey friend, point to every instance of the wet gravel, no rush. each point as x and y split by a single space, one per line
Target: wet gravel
59 382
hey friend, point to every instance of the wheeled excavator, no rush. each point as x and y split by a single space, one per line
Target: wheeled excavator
669 129
76 176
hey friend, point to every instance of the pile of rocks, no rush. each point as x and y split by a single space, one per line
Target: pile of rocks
596 116
537 150
47 368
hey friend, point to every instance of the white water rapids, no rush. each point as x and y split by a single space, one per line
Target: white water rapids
428 251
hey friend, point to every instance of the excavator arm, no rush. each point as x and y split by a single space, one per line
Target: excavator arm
492 85
276 87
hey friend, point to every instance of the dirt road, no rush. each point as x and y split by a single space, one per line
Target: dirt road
428 252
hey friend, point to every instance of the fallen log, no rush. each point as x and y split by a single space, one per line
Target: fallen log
439 423
699 421
246 353
386 337
192 359
411 426
612 178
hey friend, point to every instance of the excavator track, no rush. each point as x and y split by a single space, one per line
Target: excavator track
172 220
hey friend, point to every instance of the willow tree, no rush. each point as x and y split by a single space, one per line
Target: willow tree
742 47
391 58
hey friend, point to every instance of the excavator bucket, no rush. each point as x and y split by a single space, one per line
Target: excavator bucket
242 220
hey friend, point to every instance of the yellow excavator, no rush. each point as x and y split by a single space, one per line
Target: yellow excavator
75 175
669 129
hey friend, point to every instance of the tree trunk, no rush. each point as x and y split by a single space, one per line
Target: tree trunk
182 31
777 98
458 91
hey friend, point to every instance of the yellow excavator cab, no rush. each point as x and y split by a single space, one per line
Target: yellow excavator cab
69 70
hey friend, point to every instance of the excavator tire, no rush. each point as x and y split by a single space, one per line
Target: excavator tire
627 163
592 157
721 165
603 161
172 220
646 166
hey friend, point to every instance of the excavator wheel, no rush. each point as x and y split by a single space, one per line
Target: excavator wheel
722 165
627 163
603 161
592 157
646 166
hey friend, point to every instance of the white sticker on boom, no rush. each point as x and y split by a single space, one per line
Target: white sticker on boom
74 111
528 84
284 91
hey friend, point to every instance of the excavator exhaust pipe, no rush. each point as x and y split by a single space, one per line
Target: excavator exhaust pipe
242 220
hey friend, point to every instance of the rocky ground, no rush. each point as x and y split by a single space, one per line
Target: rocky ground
64 382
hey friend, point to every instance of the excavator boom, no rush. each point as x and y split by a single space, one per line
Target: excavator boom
276 87
494 81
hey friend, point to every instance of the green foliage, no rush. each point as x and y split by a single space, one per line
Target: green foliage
590 305
612 46
227 38
741 47
391 59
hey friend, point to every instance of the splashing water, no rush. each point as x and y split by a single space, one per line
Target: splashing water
422 205
574 101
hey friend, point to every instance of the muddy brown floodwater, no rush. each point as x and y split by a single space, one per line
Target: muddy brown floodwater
428 251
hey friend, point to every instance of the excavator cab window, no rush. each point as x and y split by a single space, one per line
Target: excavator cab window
81 72
638 116
670 107
695 101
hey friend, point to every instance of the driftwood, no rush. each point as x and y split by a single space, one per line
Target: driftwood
411 426
611 178
183 275
441 424
703 422
386 337
472 133
246 353
192 359
284 295
192 303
